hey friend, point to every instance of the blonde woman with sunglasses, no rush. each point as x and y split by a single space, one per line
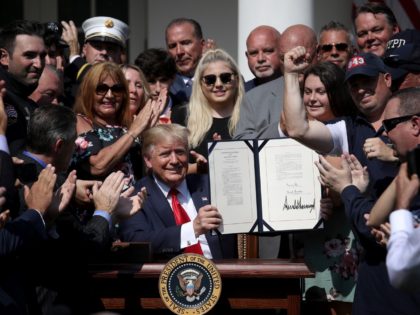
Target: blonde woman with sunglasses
213 110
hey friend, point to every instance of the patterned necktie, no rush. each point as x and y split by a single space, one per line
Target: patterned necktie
182 217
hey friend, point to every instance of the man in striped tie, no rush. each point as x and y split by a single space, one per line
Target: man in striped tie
176 217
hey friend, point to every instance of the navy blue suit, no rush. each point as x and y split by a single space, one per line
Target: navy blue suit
155 223
18 238
7 180
180 92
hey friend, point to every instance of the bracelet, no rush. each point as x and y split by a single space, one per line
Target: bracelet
131 135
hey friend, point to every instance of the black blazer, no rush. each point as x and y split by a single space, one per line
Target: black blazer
155 223
19 238
180 92
7 180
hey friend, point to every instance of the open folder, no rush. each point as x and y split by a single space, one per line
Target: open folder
264 185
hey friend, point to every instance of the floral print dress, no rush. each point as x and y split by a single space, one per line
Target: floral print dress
93 141
333 253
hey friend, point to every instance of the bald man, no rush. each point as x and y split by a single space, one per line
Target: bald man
260 112
262 53
262 105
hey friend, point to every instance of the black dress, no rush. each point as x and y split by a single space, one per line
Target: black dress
219 126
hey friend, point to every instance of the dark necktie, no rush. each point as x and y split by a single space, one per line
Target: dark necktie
182 217
188 86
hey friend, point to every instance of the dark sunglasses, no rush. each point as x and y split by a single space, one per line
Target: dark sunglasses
391 123
116 89
225 78
329 47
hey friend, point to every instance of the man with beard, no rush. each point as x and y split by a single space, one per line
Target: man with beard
22 60
263 55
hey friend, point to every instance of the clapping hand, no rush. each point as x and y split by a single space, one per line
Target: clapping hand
40 195
129 205
106 195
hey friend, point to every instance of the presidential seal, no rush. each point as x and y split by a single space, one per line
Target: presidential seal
190 284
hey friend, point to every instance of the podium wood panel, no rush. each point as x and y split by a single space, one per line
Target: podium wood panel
246 284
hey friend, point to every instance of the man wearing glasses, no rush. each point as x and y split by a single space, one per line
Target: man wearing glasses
369 84
335 44
402 125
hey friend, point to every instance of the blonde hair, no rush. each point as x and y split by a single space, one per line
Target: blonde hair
85 99
200 116
146 87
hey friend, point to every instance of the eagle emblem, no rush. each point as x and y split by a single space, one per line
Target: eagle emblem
190 283
109 23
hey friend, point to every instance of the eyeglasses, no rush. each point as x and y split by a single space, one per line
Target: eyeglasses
116 89
225 78
329 47
391 123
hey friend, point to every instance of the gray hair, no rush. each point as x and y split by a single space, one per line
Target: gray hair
155 135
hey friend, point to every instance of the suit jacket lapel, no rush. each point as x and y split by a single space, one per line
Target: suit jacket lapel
159 202
198 192
197 185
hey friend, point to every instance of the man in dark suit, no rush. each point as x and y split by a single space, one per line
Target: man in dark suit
165 151
22 59
19 238
185 43
7 178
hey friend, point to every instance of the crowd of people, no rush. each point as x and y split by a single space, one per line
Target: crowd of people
94 150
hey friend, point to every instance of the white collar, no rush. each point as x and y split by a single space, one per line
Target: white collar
182 188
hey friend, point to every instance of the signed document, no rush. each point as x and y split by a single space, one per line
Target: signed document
264 185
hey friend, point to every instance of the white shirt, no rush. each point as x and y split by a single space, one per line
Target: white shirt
403 258
3 144
187 80
187 231
338 132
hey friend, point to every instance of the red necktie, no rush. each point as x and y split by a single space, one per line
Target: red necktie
182 217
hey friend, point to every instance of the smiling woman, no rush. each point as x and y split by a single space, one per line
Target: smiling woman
213 110
331 252
108 135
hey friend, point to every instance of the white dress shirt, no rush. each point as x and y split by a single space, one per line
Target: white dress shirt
187 231
403 258
3 144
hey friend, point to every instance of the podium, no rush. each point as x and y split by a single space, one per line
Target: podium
246 284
